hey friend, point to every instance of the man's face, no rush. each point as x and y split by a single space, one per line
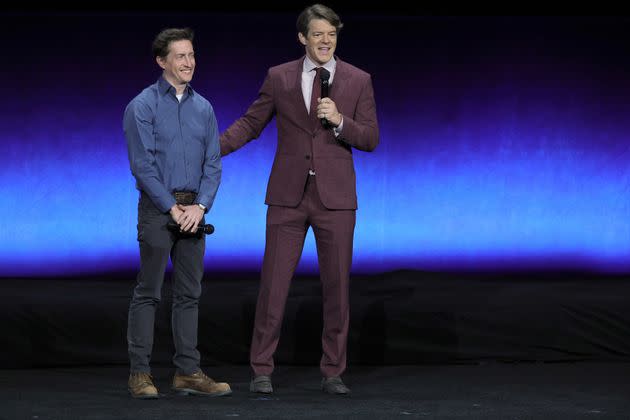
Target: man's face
179 64
320 42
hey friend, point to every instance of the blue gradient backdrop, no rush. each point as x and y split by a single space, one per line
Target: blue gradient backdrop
504 141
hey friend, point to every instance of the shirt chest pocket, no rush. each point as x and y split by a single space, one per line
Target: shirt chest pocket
170 133
194 132
165 131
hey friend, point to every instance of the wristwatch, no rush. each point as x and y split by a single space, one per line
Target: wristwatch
202 207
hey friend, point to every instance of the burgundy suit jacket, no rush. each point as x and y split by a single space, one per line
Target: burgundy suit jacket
303 144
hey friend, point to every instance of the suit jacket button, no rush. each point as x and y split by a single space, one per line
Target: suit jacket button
307 157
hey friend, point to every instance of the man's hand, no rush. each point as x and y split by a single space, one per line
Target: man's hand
190 217
326 108
176 213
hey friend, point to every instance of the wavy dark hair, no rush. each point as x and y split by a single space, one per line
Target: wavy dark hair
317 11
160 46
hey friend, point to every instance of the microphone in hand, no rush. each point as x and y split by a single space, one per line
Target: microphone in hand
324 77
202 229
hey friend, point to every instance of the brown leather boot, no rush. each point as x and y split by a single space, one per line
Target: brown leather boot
141 386
199 384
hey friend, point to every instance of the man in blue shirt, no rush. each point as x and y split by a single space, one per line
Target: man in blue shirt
174 154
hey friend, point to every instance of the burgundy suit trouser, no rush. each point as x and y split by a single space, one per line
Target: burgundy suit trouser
286 231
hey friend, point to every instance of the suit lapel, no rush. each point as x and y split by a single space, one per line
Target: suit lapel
339 83
294 84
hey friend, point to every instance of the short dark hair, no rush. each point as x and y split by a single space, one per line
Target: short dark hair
317 11
162 41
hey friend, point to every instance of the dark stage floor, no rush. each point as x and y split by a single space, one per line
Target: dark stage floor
559 391
420 345
403 317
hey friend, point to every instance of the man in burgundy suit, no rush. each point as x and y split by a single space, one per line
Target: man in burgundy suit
312 184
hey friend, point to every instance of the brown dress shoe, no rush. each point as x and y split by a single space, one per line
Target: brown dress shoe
141 386
199 384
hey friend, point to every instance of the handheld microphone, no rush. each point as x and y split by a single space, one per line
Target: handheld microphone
324 77
207 229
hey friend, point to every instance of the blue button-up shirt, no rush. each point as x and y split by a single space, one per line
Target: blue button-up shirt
173 145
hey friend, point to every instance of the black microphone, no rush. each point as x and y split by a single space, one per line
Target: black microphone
324 77
207 229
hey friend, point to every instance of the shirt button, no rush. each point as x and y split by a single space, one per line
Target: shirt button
307 157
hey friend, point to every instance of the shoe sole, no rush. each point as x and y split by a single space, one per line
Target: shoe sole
343 394
145 397
340 394
188 391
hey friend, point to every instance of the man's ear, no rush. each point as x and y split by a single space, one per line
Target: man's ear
302 38
160 61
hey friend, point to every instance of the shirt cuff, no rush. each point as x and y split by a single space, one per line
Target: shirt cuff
337 130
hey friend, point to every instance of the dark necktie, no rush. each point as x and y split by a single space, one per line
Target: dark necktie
316 93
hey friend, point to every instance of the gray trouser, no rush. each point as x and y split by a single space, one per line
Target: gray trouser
156 245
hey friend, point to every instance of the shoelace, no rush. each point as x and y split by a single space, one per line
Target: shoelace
202 375
147 378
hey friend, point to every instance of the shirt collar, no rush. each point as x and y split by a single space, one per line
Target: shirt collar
309 65
164 87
